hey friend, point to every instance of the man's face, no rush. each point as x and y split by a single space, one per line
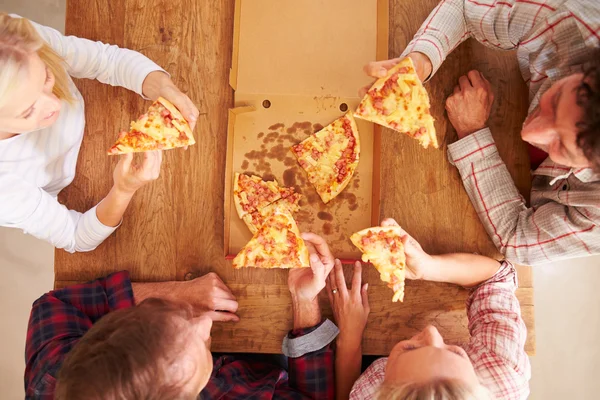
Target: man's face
552 126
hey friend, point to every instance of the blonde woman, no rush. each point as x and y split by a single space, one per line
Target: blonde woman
492 365
41 129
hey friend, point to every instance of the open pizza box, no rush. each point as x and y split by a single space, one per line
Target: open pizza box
296 67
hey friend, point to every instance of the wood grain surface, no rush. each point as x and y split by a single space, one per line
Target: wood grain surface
174 227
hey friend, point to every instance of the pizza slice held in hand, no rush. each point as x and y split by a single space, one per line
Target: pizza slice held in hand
276 244
400 102
330 156
161 128
382 247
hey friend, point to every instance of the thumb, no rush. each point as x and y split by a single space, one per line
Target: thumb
365 297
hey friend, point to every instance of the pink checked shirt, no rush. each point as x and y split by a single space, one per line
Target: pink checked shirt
552 39
497 345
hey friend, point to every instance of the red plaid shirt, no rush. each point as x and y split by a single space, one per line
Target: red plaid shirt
553 39
497 345
61 317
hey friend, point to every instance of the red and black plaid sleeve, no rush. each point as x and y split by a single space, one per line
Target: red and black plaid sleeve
312 374
60 318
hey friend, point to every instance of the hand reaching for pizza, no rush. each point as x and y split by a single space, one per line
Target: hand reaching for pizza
158 84
306 283
417 261
210 295
350 305
470 105
379 69
129 176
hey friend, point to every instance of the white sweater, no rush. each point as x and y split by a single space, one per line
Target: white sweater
36 166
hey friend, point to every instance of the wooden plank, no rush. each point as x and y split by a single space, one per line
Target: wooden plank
174 227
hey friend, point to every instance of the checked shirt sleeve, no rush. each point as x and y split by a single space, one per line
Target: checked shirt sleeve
60 318
312 374
495 23
523 235
498 334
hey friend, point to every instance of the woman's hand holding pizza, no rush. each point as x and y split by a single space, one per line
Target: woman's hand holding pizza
129 175
418 262
158 84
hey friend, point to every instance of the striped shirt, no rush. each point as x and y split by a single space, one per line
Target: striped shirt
496 347
36 166
552 39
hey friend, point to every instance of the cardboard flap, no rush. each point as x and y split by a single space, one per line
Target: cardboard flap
285 47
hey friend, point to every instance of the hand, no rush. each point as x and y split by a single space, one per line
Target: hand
209 295
158 84
418 263
350 306
129 176
379 69
304 283
470 105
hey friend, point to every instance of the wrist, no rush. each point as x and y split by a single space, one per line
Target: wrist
349 341
153 83
422 63
122 192
306 313
432 269
466 132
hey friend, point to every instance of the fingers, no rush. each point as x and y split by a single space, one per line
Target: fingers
219 316
340 281
319 245
365 297
362 92
475 78
357 278
379 69
329 288
221 304
464 83
125 161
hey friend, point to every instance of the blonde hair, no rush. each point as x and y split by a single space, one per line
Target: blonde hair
444 389
18 39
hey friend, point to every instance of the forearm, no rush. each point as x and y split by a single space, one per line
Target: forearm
443 30
110 211
348 362
306 313
461 269
172 290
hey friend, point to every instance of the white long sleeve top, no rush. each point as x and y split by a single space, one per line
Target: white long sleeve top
36 166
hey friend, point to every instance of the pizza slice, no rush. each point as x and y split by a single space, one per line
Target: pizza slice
382 247
400 102
252 194
330 156
161 128
276 244
287 204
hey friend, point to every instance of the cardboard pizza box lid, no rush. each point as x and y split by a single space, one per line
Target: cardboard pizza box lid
298 66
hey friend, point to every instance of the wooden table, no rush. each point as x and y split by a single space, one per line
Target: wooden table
174 227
